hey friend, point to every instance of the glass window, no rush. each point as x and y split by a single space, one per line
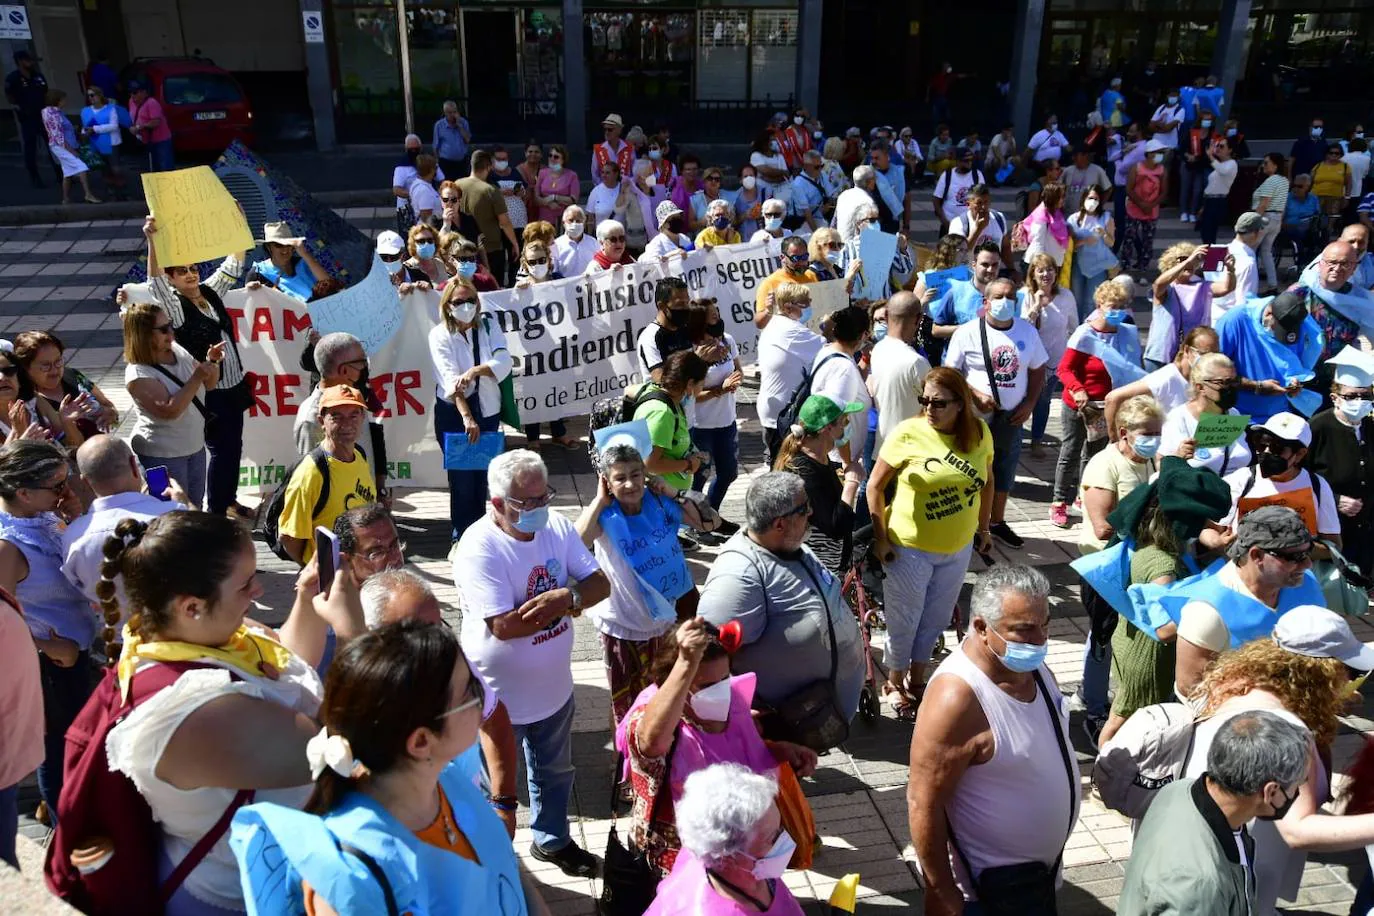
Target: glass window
774 58
641 57
723 43
201 89
366 49
541 73
435 74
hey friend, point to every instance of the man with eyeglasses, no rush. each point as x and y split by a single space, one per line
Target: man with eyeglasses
524 574
613 149
796 268
1268 574
1342 309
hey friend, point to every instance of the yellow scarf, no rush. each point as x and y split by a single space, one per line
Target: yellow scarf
247 651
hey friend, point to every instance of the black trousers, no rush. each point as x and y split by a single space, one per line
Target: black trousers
31 134
224 439
453 169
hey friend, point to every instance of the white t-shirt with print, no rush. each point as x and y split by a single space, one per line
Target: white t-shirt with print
1328 521
952 188
1168 114
1048 145
495 574
718 413
1015 352
1180 424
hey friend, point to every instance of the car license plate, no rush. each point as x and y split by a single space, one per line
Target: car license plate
211 115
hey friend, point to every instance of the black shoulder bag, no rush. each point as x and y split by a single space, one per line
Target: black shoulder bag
629 882
1026 887
997 412
207 415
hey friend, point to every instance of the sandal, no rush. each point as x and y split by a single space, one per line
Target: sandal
903 709
567 442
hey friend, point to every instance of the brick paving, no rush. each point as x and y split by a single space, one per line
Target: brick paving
59 277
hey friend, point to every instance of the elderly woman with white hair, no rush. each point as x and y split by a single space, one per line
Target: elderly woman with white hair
770 232
734 849
720 230
852 200
631 528
903 265
611 247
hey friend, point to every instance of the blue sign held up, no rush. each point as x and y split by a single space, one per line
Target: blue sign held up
462 455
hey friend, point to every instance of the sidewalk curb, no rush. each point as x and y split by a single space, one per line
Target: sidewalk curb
137 209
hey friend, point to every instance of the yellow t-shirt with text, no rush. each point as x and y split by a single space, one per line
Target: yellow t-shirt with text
351 484
938 486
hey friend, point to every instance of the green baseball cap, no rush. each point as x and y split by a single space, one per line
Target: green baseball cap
820 410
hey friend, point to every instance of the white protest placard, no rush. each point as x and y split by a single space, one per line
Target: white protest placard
271 329
575 340
370 310
827 297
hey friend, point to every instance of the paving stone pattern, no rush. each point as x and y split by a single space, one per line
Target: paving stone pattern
60 277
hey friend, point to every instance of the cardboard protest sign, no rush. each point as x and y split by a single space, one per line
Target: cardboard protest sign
197 217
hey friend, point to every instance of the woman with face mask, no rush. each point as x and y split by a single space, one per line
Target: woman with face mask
470 360
823 424
1051 309
1110 476
692 715
536 266
423 245
1083 371
1342 453
720 230
749 201
631 527
1094 233
1213 387
770 230
467 261
715 430
557 186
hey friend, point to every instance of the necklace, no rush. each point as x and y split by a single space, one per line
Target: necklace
761 906
446 821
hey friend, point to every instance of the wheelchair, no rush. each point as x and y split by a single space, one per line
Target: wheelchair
1302 244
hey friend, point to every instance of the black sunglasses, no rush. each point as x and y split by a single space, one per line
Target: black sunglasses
803 509
163 328
8 371
1287 557
937 403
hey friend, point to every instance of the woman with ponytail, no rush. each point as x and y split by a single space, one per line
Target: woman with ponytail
822 425
233 724
36 499
396 822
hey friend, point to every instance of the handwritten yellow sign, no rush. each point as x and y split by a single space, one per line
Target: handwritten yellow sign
197 218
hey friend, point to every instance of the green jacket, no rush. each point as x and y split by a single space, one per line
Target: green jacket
1185 861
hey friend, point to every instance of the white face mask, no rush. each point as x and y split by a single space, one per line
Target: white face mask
1091 205
1355 409
394 267
539 271
748 181
773 865
712 704
574 230
798 120
649 179
463 312
1001 309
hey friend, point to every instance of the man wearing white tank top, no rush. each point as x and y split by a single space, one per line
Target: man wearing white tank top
995 788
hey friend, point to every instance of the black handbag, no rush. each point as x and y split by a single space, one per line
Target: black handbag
628 882
1024 887
207 415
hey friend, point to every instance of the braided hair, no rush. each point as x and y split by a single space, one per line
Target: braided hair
180 553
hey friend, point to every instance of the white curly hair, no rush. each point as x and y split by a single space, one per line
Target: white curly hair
720 809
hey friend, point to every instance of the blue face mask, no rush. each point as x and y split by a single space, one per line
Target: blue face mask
772 223
1146 446
1002 309
466 269
805 315
843 440
1022 657
721 223
879 331
687 402
1114 317
532 521
425 250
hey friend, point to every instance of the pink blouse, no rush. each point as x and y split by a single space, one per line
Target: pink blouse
21 696
564 183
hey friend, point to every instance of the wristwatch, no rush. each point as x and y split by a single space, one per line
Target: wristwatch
576 609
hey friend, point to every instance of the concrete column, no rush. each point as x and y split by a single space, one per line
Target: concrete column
1025 65
808 84
1228 61
318 86
574 83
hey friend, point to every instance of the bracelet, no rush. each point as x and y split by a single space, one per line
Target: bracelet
504 802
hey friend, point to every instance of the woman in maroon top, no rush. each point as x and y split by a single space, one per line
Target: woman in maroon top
1086 383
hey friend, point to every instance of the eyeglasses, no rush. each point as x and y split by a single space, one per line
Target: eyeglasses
614 239
54 366
1222 384
358 364
449 200
803 509
536 260
59 487
8 371
1298 557
378 554
162 328
467 259
474 695
391 258
460 301
535 502
934 403
713 178
1334 264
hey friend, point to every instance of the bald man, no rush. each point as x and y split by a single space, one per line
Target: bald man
110 469
1357 236
1339 306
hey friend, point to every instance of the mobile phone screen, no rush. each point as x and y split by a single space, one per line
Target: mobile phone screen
1211 262
327 556
158 480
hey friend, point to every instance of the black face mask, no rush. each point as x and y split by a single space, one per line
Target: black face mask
412 155
1271 465
1226 398
717 329
678 317
1282 810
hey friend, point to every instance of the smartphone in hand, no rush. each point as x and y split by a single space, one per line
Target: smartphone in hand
158 481
326 556
1211 261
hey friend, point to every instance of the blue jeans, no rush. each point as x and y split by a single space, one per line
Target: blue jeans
861 516
188 470
1119 207
161 156
467 490
224 442
549 766
1083 289
722 445
1364 897
1040 417
1191 183
9 824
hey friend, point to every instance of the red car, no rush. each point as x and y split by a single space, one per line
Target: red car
205 106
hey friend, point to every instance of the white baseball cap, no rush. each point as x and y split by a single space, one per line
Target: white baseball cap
1155 146
1289 427
1320 633
389 242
